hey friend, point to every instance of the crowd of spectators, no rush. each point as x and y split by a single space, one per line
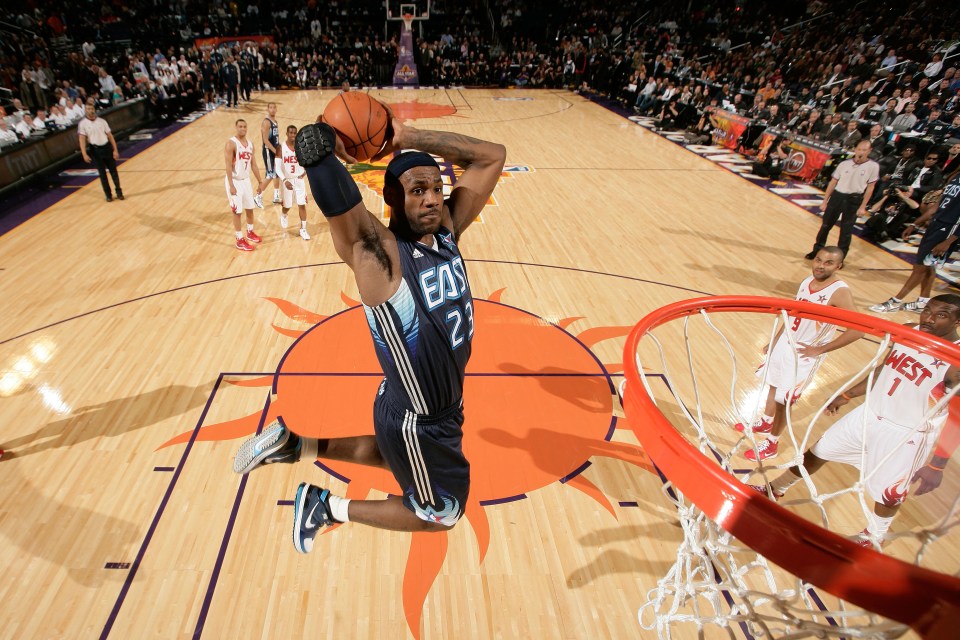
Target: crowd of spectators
828 73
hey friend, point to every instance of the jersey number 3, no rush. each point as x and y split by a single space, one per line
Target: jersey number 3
455 322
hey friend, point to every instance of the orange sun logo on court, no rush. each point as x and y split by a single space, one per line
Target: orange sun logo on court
538 405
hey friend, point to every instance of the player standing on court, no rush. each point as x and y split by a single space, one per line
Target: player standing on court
896 435
941 238
416 296
789 368
239 158
270 135
290 174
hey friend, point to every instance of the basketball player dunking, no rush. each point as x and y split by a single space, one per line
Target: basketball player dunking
418 304
238 154
270 134
290 174
788 371
896 435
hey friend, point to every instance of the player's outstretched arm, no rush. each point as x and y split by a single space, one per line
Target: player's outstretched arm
856 390
482 162
842 299
931 475
360 240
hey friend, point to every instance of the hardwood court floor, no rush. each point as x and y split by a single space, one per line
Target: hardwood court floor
137 349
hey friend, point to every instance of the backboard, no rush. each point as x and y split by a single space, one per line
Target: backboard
419 9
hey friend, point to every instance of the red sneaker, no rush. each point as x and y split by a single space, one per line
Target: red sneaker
763 491
864 540
766 449
254 238
759 426
243 245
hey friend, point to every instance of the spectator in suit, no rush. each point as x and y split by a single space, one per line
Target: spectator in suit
878 139
906 120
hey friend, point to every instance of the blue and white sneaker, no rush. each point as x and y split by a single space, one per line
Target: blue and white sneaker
258 200
274 444
311 512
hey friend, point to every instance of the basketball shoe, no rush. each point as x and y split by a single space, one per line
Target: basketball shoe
283 221
276 196
243 245
763 491
311 511
304 234
254 238
274 444
865 540
258 200
889 306
767 449
916 306
758 426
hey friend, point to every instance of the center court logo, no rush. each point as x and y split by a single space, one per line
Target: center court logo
538 406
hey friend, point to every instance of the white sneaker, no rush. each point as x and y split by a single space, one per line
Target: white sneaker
258 200
916 306
304 234
886 307
283 221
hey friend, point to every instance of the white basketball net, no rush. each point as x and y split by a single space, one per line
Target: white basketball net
716 581
408 22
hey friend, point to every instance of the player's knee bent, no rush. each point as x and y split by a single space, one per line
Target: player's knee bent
436 527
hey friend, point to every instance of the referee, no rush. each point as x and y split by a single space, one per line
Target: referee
847 196
940 239
95 132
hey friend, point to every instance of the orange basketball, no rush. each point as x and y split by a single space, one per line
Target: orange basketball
360 121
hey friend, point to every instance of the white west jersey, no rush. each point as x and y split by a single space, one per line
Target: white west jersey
805 330
242 156
907 387
287 165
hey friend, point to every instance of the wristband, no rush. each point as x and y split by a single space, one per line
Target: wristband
845 396
930 464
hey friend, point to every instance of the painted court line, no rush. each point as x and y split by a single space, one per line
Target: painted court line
227 534
156 518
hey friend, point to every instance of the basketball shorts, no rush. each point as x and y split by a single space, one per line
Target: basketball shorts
893 452
269 160
425 455
298 194
244 198
787 372
936 233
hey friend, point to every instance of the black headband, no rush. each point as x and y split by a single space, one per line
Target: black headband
408 160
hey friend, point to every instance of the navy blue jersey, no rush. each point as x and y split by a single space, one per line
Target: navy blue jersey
948 213
423 332
274 136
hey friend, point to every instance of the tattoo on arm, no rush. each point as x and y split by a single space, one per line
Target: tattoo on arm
455 147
